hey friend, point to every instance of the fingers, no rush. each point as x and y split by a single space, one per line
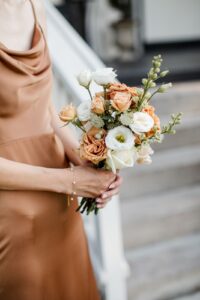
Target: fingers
118 181
110 193
106 197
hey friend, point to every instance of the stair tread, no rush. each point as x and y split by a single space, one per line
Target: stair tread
194 296
169 159
179 193
158 270
163 216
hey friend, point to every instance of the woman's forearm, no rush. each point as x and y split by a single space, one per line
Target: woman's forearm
20 176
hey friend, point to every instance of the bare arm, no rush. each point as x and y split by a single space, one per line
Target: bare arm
18 176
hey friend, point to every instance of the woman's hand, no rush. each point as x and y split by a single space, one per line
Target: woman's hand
112 190
93 183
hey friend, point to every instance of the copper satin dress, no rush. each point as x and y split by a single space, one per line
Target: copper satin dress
43 247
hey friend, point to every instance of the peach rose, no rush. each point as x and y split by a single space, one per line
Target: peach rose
68 113
151 111
98 104
121 87
121 101
93 147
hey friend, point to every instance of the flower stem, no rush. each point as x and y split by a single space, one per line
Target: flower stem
88 88
105 92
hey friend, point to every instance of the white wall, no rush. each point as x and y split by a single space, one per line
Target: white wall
171 20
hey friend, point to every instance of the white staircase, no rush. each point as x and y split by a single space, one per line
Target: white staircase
161 208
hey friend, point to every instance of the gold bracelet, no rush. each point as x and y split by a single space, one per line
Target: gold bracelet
73 194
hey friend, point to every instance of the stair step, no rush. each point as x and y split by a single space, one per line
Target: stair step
165 270
170 169
165 216
182 97
188 133
194 296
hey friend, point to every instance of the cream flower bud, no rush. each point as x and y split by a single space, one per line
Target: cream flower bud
164 87
144 81
84 78
164 73
104 76
152 84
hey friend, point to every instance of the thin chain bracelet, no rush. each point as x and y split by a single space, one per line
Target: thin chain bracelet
73 194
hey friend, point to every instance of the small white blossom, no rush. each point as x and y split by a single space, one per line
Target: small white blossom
143 154
84 111
96 121
126 118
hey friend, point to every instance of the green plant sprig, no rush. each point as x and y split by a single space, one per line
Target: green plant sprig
169 128
150 82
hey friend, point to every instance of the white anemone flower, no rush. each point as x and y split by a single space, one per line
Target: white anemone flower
120 138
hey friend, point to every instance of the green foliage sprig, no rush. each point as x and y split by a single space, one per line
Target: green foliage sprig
169 128
148 83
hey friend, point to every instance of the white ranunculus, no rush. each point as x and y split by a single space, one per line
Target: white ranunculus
104 76
120 138
84 78
143 154
117 160
84 111
142 122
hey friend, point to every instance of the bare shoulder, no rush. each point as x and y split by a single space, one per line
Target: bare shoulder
41 14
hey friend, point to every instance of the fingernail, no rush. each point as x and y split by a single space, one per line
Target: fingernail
98 205
98 200
104 196
112 186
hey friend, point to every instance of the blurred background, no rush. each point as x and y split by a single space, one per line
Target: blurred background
155 252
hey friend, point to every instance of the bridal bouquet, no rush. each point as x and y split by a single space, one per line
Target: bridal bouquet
118 123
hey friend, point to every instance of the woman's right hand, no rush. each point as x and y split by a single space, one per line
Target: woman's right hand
91 182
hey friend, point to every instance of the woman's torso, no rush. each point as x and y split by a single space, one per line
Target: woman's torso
26 133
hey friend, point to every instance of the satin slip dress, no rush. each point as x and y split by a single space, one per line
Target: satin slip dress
44 253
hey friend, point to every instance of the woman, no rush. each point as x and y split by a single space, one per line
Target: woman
43 248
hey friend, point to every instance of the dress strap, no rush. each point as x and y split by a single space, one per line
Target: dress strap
34 12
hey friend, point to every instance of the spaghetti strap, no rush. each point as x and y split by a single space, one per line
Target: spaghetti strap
34 12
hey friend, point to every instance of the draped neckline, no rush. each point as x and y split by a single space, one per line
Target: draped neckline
35 43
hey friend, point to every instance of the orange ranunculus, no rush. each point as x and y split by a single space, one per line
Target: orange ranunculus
93 147
121 101
68 113
151 111
98 104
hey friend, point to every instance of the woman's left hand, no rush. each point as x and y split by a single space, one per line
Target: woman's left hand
113 190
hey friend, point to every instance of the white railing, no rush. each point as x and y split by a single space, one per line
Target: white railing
70 54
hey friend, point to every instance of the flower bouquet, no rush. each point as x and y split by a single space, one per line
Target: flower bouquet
118 123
